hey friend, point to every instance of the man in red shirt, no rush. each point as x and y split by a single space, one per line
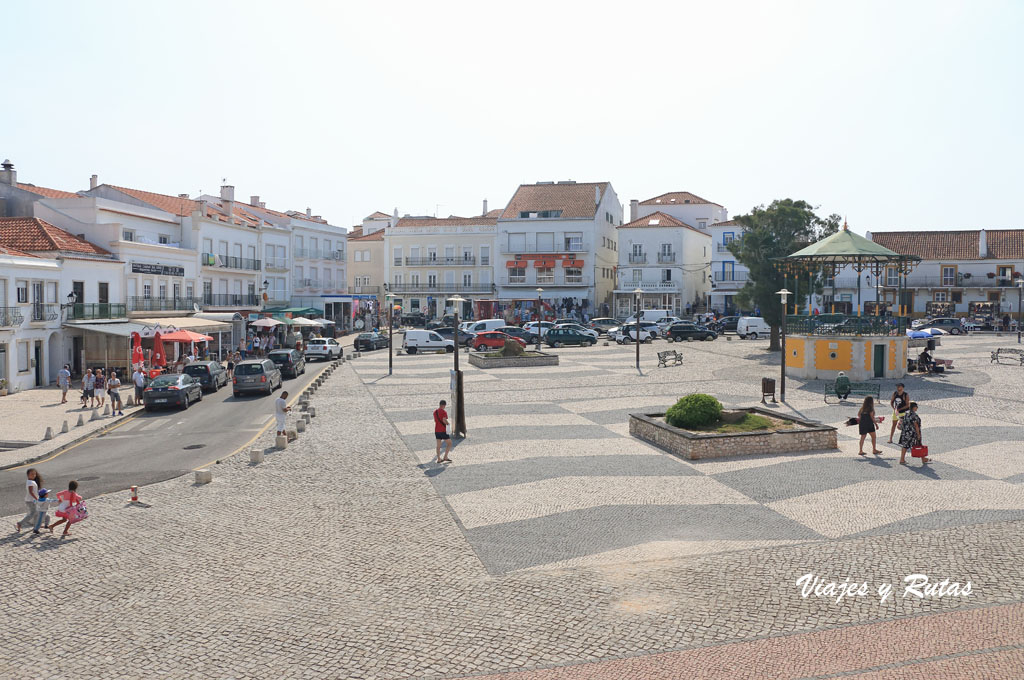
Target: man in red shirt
441 433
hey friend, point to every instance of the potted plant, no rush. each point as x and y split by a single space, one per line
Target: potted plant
3 387
991 275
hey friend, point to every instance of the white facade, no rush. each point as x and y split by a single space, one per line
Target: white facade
665 258
560 237
30 344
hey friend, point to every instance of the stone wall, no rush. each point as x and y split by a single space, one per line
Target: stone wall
480 361
810 436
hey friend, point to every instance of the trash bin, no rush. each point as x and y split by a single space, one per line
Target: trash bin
767 389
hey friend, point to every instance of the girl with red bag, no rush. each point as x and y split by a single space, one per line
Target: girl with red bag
69 509
910 434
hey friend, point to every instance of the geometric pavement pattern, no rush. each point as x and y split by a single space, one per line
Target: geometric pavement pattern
549 478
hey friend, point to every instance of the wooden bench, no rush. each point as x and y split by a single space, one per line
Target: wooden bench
1011 353
860 389
674 356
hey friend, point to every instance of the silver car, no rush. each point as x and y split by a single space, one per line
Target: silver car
256 375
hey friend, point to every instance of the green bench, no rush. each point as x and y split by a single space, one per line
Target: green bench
860 389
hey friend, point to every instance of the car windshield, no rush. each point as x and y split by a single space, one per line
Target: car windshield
366 336
248 369
279 357
164 381
197 370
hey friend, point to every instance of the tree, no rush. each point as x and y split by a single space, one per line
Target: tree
781 229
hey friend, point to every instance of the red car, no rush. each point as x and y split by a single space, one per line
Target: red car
494 339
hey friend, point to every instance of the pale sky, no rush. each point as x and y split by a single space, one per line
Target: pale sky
900 115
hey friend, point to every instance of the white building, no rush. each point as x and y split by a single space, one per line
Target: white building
433 259
727 275
665 258
560 237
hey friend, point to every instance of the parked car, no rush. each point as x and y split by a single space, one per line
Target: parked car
532 327
625 334
494 340
665 323
948 324
172 389
448 333
289 361
689 332
603 324
256 375
968 325
210 374
322 348
727 324
414 319
577 327
426 341
564 335
365 342
652 315
752 328
487 325
559 322
517 332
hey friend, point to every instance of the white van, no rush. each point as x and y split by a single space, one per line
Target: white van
752 328
652 315
417 340
487 325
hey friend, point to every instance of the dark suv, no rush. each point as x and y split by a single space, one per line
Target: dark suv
210 374
291 363
256 375
557 337
727 324
688 331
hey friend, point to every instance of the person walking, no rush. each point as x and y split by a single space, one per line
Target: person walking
32 484
139 380
867 425
280 409
89 389
441 433
99 387
900 402
910 435
231 366
67 510
64 381
114 390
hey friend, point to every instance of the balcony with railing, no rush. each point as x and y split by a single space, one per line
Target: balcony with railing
230 300
319 254
151 304
723 248
276 264
41 312
638 258
459 261
10 316
364 290
429 287
730 277
628 286
83 311
960 281
306 283
666 258
558 279
230 262
572 246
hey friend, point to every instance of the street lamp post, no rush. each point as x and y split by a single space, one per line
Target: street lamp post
389 299
1020 315
540 317
784 295
639 313
459 424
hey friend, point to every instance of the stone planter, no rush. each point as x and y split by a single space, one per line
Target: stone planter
808 436
481 361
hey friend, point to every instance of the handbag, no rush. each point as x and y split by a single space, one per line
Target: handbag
77 513
919 452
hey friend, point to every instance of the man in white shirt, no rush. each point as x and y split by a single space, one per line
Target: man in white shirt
139 378
280 409
64 381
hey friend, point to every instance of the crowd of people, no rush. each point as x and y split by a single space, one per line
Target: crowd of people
904 418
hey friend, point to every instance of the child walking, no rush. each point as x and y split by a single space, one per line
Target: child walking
67 509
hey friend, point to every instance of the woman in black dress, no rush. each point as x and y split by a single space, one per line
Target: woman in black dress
866 423
900 402
910 435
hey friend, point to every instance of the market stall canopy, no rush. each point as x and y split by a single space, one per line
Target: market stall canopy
301 321
191 323
186 336
266 323
296 311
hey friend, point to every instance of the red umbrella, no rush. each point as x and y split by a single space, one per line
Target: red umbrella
137 357
158 351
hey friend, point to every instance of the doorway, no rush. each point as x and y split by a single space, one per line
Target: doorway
37 355
76 355
879 362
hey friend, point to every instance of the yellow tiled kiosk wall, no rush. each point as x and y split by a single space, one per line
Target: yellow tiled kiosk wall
833 355
795 350
816 358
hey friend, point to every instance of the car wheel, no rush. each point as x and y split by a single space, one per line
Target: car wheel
184 403
708 338
200 397
448 349
556 344
649 340
954 331
410 350
591 343
670 338
235 395
216 386
479 348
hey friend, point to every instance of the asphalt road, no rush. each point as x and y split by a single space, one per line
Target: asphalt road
153 446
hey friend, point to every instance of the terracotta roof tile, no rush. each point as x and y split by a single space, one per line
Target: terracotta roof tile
450 221
377 216
49 193
677 198
659 219
32 234
576 201
4 250
495 213
175 205
1003 244
727 223
372 236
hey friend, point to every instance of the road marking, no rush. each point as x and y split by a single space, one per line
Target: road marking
150 425
77 444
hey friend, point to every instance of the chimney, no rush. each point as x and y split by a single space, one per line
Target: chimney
485 207
94 181
227 197
597 195
254 201
634 208
309 212
982 244
185 196
8 175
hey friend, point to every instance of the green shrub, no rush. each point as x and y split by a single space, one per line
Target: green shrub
512 349
694 410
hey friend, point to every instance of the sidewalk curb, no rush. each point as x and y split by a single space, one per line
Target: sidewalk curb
67 445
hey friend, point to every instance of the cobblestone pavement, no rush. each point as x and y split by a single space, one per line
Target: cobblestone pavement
345 556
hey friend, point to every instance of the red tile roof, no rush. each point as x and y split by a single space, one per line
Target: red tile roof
357 235
377 216
32 234
495 213
450 221
1003 244
576 200
49 193
659 219
4 250
175 205
676 198
727 223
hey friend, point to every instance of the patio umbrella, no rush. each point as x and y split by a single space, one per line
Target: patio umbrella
917 335
302 321
265 323
934 331
137 356
158 351
186 336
